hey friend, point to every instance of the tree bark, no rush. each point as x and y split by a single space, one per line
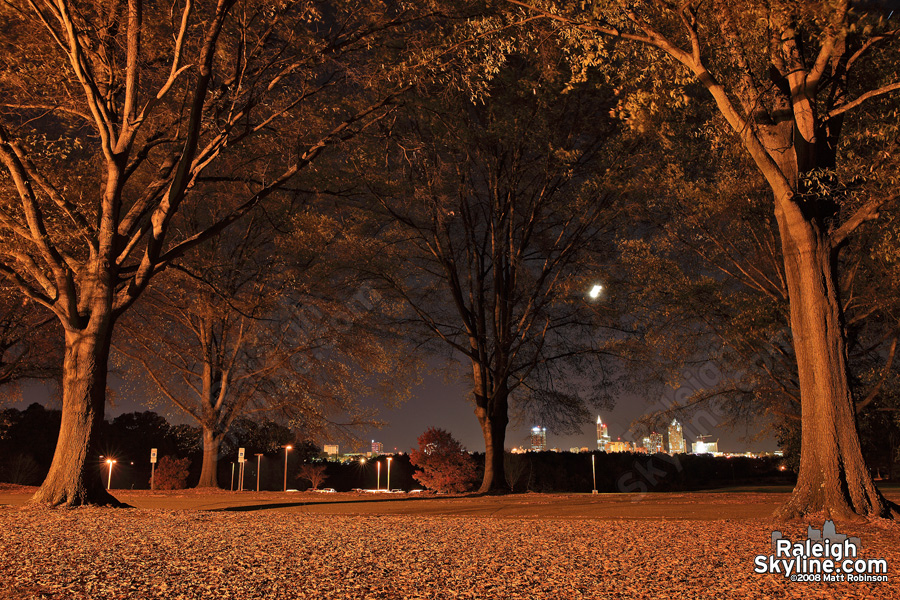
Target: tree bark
75 476
493 418
212 441
833 476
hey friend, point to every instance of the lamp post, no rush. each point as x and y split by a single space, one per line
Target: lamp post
378 480
389 474
110 462
286 450
362 468
258 457
594 472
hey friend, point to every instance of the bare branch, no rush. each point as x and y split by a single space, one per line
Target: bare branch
862 98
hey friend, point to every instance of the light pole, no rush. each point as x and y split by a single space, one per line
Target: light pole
110 462
362 468
594 472
389 474
258 457
286 450
378 480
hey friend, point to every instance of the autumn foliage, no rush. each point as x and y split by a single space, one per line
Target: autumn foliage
172 473
444 465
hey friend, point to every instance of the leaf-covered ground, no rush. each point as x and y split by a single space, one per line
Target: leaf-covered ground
139 553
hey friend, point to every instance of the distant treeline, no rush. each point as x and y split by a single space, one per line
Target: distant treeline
28 439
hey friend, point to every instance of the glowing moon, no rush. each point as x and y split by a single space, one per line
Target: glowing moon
595 291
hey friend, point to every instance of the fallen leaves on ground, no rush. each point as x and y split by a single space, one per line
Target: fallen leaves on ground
99 554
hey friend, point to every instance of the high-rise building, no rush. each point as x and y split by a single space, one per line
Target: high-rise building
331 449
701 446
377 447
538 439
656 444
602 434
676 438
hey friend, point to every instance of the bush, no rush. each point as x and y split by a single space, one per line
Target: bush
172 473
445 465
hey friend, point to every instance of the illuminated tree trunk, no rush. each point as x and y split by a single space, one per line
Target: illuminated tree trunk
833 476
492 413
212 442
75 477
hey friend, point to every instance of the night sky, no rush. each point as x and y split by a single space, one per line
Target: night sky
439 403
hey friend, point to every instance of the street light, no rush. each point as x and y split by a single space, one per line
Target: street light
378 480
110 462
362 469
286 450
389 474
594 471
258 457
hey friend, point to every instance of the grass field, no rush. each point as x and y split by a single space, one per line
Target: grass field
214 544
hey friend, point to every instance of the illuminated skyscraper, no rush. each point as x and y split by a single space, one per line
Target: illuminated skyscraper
377 447
602 434
538 439
676 438
656 444
701 446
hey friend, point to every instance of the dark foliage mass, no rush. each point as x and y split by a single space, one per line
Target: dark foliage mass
28 440
172 473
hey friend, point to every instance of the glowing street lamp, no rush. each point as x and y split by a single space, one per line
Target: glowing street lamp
378 480
362 468
258 457
389 474
286 450
110 462
594 472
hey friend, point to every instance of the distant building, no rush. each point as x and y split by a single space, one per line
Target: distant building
377 447
602 434
618 446
676 438
703 447
331 449
654 444
538 439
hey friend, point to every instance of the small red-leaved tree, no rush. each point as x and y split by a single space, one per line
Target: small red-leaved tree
444 464
313 473
172 473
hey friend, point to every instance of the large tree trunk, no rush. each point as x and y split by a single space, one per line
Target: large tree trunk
209 474
833 477
493 418
75 473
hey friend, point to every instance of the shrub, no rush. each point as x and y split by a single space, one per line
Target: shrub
445 465
172 473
